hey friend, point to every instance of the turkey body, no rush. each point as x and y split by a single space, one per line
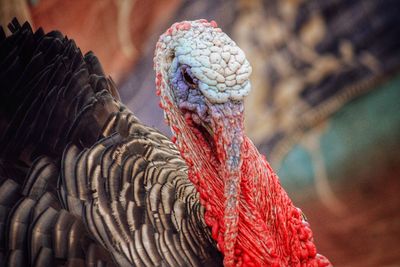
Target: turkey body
82 181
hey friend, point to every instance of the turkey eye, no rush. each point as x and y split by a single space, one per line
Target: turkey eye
188 78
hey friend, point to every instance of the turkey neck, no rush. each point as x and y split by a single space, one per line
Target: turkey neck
215 168
251 217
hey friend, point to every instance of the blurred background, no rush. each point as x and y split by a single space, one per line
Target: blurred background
325 104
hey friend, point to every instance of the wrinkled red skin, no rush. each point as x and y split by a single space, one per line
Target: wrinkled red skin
271 230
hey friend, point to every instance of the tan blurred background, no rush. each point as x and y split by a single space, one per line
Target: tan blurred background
325 104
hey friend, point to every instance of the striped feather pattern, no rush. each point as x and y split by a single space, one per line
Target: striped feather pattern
82 181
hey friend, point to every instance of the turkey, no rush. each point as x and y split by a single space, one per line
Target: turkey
84 183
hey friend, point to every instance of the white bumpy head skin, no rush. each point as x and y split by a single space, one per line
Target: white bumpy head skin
215 60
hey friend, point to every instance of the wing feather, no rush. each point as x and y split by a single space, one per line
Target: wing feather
82 181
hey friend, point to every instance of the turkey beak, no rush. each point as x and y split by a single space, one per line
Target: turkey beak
208 128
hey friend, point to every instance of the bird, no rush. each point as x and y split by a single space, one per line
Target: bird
83 182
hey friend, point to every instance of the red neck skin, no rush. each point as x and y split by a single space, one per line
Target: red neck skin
250 215
270 230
